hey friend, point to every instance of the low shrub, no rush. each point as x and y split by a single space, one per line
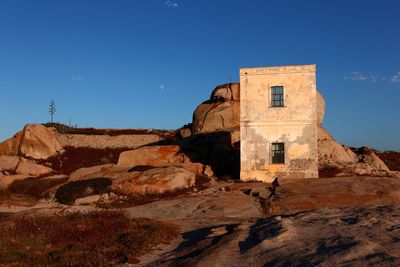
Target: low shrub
68 193
65 129
34 187
100 238
80 157
329 171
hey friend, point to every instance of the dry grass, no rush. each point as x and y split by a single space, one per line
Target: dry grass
329 171
99 238
65 129
9 199
34 187
80 157
68 193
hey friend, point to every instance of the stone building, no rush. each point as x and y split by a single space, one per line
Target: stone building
278 122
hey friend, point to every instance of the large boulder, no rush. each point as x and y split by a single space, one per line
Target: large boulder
369 157
320 108
330 152
157 156
39 142
7 180
216 116
226 92
158 181
111 171
375 162
10 147
8 163
92 172
31 168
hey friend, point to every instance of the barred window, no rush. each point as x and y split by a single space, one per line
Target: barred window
278 153
277 96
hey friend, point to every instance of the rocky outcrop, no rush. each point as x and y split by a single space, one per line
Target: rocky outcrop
369 157
158 156
33 169
34 141
216 116
226 92
93 172
221 112
330 152
7 180
347 162
8 163
158 181
320 108
39 142
14 164
10 147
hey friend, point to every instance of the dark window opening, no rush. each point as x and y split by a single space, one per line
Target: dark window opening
277 96
278 153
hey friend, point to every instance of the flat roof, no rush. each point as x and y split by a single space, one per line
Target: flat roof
279 69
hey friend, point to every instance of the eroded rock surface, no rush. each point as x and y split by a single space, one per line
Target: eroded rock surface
31 168
39 142
158 156
324 237
158 181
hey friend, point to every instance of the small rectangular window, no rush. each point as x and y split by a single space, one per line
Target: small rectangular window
277 96
278 153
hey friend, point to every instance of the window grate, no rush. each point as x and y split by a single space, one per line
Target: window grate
277 96
278 153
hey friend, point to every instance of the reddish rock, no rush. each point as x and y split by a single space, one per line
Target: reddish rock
106 171
7 180
8 163
208 171
32 169
374 161
39 142
330 152
226 92
217 116
11 146
320 108
158 181
157 156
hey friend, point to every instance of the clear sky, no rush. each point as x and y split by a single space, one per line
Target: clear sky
149 63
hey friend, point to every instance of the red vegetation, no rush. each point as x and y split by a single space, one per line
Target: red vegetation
34 187
100 238
65 129
329 171
80 157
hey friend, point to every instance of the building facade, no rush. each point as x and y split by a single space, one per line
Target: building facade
278 122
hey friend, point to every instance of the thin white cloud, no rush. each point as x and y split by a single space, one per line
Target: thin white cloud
357 76
76 78
172 4
395 78
162 86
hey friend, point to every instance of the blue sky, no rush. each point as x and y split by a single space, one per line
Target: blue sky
149 63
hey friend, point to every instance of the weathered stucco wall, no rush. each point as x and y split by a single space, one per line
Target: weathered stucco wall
295 124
